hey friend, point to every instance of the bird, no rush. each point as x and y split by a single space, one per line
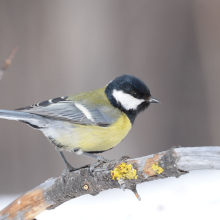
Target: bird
91 122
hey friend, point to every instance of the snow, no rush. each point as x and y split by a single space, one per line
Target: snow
193 196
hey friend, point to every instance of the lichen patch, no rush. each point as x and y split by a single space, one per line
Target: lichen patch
157 168
150 162
124 171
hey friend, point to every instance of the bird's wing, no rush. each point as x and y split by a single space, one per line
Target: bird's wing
73 111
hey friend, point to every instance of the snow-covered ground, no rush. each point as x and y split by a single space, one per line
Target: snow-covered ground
193 196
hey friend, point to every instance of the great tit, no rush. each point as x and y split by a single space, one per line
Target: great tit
90 122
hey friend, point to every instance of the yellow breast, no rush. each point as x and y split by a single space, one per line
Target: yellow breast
95 138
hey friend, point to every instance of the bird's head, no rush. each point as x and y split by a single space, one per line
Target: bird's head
130 95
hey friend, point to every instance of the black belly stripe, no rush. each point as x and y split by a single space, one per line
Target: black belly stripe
103 125
96 152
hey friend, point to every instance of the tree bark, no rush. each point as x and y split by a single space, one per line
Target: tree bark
55 191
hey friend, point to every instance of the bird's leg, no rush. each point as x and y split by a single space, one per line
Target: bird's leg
99 159
69 168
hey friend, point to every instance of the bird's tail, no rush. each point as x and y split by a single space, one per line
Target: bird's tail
31 119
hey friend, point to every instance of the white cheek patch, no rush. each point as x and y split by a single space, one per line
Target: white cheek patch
85 111
126 100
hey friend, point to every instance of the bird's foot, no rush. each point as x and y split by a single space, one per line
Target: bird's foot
97 163
69 167
66 172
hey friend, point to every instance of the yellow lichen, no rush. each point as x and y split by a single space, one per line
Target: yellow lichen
157 168
124 171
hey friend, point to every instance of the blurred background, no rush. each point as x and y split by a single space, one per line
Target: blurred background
72 46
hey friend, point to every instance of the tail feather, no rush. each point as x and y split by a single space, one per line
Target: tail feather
31 119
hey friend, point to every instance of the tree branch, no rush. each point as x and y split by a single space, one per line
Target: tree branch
55 191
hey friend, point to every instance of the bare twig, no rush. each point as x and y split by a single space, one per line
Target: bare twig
55 191
7 62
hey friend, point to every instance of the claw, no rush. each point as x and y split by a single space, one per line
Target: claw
93 166
102 159
69 168
66 172
99 159
91 170
97 163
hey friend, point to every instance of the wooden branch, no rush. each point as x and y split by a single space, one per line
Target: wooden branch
7 62
55 191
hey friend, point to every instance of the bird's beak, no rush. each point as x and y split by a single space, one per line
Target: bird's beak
153 100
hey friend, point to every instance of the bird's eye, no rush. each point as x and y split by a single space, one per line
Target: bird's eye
134 94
